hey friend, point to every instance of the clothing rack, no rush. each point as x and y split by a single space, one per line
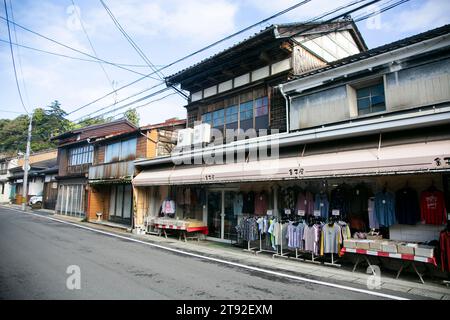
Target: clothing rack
261 249
333 262
280 253
249 248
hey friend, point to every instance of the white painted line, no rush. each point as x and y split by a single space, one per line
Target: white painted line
279 274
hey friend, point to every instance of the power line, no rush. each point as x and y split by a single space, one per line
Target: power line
317 18
150 102
136 47
8 111
129 104
90 44
201 50
74 58
345 14
76 50
12 56
18 56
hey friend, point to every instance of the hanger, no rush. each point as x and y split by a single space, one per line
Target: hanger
432 187
385 187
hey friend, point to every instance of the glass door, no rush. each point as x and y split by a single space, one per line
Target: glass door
230 219
215 214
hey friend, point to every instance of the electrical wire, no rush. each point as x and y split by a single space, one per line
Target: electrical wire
91 45
199 51
13 61
137 49
74 58
144 76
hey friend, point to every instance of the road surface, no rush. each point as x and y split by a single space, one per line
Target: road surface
35 253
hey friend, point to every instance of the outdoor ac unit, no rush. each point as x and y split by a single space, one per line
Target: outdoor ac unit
184 137
202 133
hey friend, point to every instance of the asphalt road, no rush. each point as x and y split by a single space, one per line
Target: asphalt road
36 252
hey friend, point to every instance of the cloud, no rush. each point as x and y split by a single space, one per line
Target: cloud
427 15
183 20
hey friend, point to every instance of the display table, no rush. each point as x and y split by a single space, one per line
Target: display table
407 259
185 231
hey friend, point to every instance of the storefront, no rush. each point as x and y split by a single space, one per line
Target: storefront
399 191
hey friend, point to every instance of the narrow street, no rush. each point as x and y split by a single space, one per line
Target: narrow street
36 252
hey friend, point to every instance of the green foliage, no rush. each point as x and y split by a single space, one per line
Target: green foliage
132 116
47 122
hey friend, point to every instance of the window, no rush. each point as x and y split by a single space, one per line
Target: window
207 118
218 119
370 99
122 150
81 155
70 200
262 113
231 117
246 113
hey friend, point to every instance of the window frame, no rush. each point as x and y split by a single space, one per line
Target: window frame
371 87
81 155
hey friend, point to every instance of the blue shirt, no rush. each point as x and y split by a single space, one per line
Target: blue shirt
385 208
321 203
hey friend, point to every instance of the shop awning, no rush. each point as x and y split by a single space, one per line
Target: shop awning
399 159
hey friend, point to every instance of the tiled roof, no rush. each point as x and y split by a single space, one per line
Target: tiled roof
382 49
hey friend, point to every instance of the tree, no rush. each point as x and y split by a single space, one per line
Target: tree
132 116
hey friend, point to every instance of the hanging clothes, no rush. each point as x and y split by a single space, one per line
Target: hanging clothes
385 208
331 239
433 207
249 203
311 236
321 203
358 203
238 203
261 204
247 229
444 242
168 207
407 207
287 199
373 221
345 230
340 199
305 201
295 235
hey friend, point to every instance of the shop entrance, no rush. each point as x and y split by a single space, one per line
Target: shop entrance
221 218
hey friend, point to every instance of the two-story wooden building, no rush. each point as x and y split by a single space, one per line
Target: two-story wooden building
361 127
238 89
110 190
75 157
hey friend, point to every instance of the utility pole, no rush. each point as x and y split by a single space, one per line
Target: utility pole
25 167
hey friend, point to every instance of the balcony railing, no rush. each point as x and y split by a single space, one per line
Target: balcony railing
79 169
114 170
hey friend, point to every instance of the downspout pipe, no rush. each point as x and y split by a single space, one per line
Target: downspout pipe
280 87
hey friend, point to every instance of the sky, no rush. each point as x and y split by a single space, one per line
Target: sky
165 30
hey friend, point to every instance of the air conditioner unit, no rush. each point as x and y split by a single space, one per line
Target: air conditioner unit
185 137
202 133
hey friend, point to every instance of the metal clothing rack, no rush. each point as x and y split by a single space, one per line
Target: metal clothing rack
332 263
249 247
281 253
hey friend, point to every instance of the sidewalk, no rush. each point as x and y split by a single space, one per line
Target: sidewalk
408 283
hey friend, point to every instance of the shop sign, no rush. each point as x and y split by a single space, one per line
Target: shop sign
269 212
296 172
209 177
335 212
301 212
287 211
316 213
